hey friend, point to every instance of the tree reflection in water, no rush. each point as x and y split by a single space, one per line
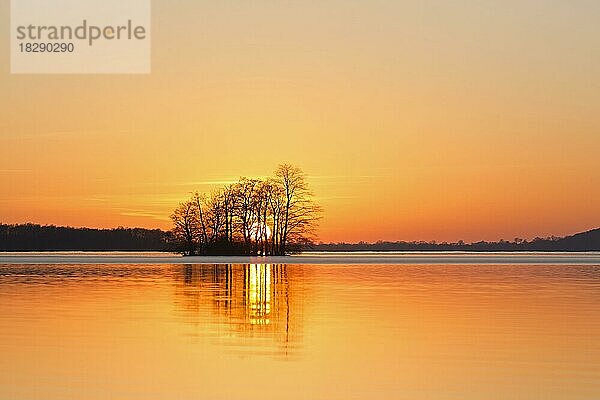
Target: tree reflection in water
252 307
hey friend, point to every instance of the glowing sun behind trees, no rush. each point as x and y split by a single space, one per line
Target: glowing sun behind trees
273 216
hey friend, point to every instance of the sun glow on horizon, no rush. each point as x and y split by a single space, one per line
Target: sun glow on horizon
256 230
412 120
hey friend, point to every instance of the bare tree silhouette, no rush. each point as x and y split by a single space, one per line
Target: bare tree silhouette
186 230
274 216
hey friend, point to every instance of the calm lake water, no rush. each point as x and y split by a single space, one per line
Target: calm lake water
265 331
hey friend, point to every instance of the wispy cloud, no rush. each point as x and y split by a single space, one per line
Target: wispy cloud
343 177
57 134
327 198
207 183
141 213
14 171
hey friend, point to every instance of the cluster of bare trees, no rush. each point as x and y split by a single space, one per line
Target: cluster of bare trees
273 216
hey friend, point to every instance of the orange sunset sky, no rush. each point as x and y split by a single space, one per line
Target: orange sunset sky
417 120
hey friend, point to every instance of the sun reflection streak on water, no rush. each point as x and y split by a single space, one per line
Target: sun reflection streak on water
259 293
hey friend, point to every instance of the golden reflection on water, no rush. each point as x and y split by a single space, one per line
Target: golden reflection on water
258 294
439 332
254 301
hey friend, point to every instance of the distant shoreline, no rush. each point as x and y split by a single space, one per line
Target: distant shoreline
33 238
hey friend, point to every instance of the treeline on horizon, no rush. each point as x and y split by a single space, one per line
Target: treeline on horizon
267 216
585 241
34 237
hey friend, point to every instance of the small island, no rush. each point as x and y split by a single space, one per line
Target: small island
272 216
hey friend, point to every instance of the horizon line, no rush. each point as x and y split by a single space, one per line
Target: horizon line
320 242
